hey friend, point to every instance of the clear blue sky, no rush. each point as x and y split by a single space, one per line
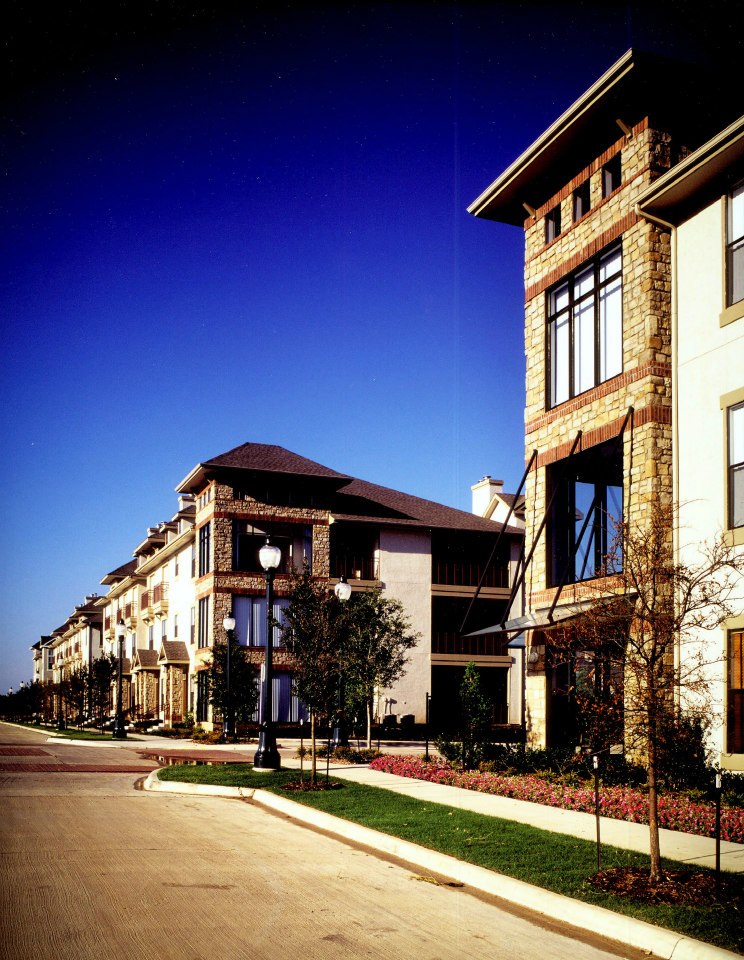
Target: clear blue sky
222 226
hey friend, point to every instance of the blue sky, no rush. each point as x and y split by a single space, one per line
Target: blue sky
229 223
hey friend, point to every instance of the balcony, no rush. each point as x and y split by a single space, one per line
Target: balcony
462 573
146 609
130 615
160 599
355 567
450 642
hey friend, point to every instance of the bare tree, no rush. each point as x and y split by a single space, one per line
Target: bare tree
652 618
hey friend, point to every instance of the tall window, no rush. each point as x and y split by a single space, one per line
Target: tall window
581 201
611 173
553 224
192 626
205 558
736 466
586 510
585 328
735 712
204 622
202 696
250 620
735 246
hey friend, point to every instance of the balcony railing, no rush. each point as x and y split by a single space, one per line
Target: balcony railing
444 641
159 593
457 573
355 567
130 610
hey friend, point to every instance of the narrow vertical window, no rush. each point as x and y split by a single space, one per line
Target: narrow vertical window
735 246
611 176
205 554
736 465
204 622
581 201
735 705
192 630
552 224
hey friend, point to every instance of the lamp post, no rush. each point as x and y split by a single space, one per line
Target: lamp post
339 737
119 733
267 756
228 725
60 713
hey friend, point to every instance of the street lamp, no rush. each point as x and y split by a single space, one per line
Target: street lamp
60 713
119 733
228 727
267 756
339 737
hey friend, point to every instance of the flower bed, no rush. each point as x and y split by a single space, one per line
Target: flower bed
619 803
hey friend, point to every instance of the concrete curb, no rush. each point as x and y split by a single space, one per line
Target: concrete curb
626 930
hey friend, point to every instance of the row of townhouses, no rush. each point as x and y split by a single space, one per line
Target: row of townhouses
190 572
632 205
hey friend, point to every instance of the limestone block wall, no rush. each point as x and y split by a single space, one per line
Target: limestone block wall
644 384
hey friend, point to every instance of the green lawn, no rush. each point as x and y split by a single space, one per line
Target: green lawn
549 860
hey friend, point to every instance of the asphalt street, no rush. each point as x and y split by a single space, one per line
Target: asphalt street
91 866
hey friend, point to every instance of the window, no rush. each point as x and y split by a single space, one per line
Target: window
193 561
735 711
553 224
587 507
581 201
151 637
205 558
202 696
585 328
250 620
175 626
204 622
736 466
611 176
735 246
164 630
294 541
192 630
175 566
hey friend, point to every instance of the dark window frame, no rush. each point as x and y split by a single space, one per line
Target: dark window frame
734 469
205 548
553 224
203 624
575 303
735 693
612 175
581 201
734 247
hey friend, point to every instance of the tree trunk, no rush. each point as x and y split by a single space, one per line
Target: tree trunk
369 723
653 814
313 763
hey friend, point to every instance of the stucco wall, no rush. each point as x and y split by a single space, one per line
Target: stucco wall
405 571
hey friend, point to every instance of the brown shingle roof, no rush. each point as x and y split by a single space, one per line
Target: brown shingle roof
173 651
125 570
147 659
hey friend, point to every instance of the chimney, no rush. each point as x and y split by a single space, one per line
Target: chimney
483 492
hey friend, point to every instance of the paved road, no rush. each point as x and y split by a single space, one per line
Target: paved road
92 867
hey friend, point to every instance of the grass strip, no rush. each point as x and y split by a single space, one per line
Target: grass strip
549 860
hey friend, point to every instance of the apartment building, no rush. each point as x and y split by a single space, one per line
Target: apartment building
428 556
599 343
701 202
191 571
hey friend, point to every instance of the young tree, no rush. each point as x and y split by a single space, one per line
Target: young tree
475 712
244 691
654 614
312 633
103 672
79 685
376 639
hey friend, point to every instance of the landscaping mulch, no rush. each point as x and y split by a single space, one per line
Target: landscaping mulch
682 887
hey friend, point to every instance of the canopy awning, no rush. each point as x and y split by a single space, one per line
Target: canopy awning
545 619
